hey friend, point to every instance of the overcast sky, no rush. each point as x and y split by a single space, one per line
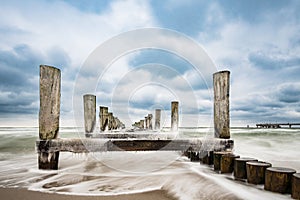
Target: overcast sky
257 40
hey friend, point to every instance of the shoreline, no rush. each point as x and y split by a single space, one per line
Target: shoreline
24 194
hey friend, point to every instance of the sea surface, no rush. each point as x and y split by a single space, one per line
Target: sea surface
113 173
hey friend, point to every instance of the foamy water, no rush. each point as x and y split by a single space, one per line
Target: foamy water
112 173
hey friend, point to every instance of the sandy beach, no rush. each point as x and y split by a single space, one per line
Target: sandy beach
18 193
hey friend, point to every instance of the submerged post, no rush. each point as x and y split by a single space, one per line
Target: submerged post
103 115
174 116
157 119
50 79
221 104
89 102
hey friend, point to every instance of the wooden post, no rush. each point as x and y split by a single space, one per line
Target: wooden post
221 104
50 79
279 179
217 159
142 124
174 116
256 171
194 156
103 115
110 120
227 163
150 116
240 167
157 119
296 186
207 157
89 102
146 123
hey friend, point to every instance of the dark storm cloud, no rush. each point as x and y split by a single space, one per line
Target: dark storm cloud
19 85
18 66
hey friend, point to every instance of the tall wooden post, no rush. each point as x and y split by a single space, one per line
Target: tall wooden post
150 116
142 124
174 116
157 119
221 104
103 115
110 120
89 102
146 123
50 79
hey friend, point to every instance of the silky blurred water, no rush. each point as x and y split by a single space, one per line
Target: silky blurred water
111 173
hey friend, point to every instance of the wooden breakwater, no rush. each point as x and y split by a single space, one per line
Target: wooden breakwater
50 109
216 152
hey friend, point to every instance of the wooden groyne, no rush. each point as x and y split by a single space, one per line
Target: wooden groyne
216 151
276 125
49 146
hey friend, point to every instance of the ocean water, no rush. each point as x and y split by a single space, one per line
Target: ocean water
112 173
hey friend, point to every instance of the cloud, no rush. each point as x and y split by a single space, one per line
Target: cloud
258 41
289 93
60 34
262 55
273 61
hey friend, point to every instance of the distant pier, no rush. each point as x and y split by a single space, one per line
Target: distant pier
276 125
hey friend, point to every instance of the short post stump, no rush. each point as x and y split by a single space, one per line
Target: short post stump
256 171
217 159
296 186
279 179
240 167
227 163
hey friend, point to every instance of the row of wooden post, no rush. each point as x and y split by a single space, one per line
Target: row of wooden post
275 179
147 123
107 120
50 92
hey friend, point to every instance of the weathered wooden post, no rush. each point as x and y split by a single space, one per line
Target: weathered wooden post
110 120
50 79
279 179
217 159
146 123
174 116
142 124
157 118
227 163
150 116
103 115
240 167
194 156
256 171
207 157
296 186
221 104
89 102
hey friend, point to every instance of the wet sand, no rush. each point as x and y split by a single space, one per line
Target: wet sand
23 194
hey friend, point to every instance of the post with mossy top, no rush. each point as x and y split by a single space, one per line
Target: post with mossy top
89 102
221 104
174 116
50 83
